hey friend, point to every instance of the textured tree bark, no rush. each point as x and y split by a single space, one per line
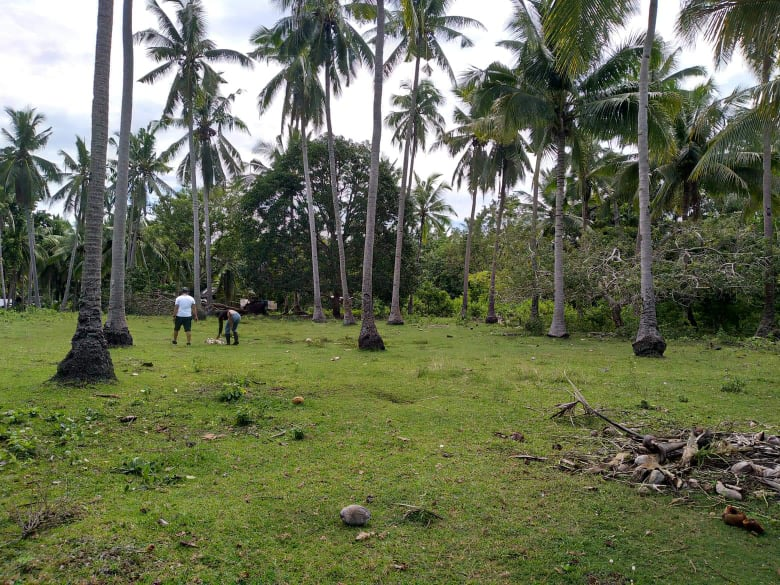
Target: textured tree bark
648 342
369 338
88 361
491 312
319 316
558 325
116 330
467 261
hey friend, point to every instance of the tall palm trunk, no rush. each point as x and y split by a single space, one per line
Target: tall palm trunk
648 342
318 316
349 318
534 243
207 240
2 268
116 330
34 294
369 338
766 325
464 308
88 361
71 265
558 325
195 208
395 317
134 216
491 313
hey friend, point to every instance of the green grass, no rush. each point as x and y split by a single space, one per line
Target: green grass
212 482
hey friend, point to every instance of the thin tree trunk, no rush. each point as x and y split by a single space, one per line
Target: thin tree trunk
71 264
491 312
649 342
34 295
767 324
318 316
558 325
89 361
2 268
410 305
195 210
207 240
467 261
369 338
349 318
395 317
534 244
116 330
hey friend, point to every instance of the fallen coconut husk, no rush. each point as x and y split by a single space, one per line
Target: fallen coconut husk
730 465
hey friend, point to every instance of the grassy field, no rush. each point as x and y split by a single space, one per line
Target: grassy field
220 478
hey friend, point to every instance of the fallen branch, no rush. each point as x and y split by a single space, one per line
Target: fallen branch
590 410
528 457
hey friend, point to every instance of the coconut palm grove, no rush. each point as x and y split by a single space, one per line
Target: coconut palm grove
617 195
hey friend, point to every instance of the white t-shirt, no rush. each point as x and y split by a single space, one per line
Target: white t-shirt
184 304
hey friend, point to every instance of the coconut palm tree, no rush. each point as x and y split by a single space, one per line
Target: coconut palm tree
303 100
188 53
218 159
4 213
369 338
336 46
752 26
430 212
25 174
145 178
116 329
73 195
418 25
88 360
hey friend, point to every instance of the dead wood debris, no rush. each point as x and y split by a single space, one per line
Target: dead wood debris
728 464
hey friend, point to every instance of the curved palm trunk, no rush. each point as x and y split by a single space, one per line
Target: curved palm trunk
395 317
207 240
369 338
318 316
491 313
71 264
767 325
349 318
648 342
195 214
558 325
116 330
88 361
34 294
464 308
534 244
2 269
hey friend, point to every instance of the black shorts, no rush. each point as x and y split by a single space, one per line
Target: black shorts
185 321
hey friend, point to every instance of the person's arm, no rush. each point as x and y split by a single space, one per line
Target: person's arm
219 333
175 310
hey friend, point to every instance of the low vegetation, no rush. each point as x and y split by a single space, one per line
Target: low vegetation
198 467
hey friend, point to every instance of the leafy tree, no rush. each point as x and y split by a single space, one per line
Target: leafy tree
188 53
26 175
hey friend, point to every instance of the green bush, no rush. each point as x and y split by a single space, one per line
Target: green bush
432 302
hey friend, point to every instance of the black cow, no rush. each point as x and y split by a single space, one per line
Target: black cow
256 307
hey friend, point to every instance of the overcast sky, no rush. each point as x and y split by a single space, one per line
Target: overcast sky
47 58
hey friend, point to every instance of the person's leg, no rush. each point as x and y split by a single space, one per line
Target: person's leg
236 321
176 327
188 329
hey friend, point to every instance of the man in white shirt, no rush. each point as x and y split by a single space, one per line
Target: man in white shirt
183 314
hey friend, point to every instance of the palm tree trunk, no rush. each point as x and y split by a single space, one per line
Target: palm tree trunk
648 342
71 264
534 244
195 211
2 268
34 294
766 325
410 305
318 316
207 240
395 317
369 338
467 261
116 330
349 318
491 313
88 361
558 325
